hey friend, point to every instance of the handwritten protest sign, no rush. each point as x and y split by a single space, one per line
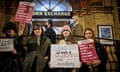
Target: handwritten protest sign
64 56
87 50
24 12
6 45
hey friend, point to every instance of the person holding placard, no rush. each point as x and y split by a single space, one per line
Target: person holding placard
67 39
10 56
98 64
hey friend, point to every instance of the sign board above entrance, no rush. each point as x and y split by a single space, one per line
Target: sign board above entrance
53 14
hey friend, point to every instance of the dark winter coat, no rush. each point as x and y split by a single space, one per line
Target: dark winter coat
10 62
35 57
102 55
50 33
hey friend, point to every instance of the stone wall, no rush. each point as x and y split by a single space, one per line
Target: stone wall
99 16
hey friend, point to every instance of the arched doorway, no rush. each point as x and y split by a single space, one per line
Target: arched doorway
59 11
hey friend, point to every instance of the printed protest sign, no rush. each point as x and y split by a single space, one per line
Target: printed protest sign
64 56
6 45
24 12
87 50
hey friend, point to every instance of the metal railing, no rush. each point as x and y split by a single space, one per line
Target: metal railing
113 52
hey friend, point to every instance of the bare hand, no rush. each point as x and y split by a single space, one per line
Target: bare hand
14 51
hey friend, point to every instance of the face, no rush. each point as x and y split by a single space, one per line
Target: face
46 24
74 18
71 21
11 33
66 33
37 31
88 34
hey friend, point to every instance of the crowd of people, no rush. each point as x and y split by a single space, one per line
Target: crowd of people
32 53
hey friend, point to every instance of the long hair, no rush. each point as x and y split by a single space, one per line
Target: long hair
70 37
38 26
89 29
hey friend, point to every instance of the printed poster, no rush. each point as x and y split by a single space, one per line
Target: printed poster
64 56
6 45
87 50
24 12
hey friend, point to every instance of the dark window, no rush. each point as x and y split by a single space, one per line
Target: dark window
118 6
119 13
52 5
118 3
77 1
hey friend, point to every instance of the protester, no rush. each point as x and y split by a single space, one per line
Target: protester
97 65
66 40
10 60
37 51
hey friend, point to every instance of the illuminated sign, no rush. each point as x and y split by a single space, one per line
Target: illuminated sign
54 14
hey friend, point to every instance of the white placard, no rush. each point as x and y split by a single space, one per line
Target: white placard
64 56
6 45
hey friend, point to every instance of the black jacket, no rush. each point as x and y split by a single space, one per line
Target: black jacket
50 33
101 51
